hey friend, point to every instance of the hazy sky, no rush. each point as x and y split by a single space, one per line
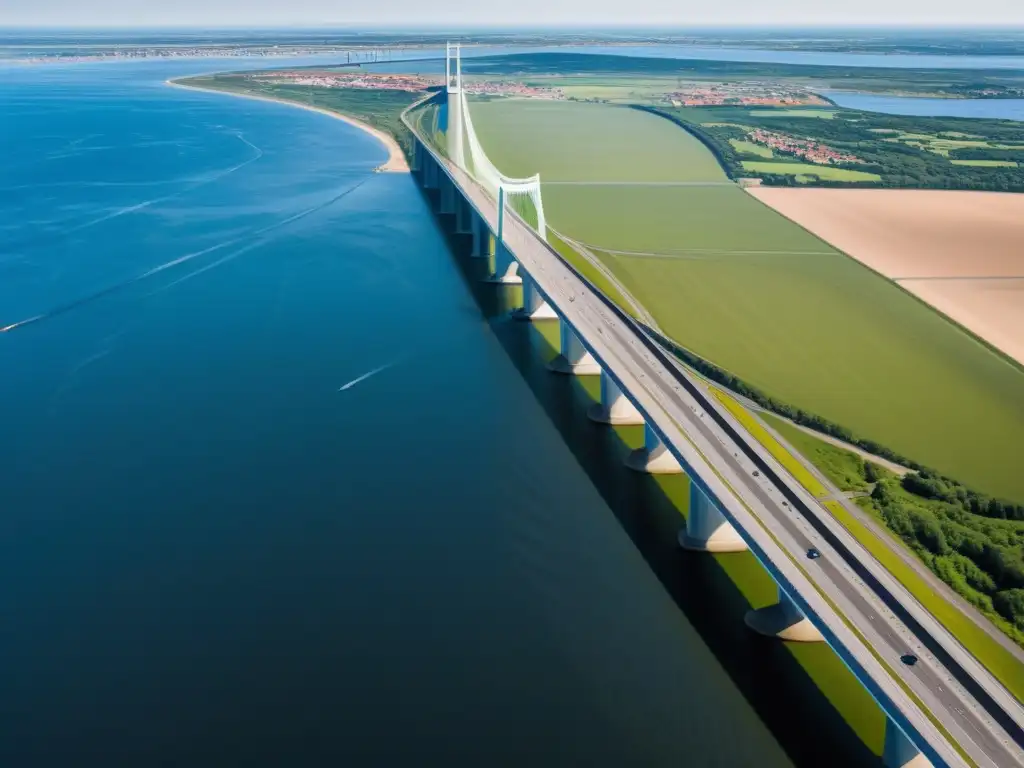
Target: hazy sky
680 13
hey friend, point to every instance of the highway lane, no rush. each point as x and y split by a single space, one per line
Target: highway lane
693 430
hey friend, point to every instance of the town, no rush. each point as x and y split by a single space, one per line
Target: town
812 151
754 94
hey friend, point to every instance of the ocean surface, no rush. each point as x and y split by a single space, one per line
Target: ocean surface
281 483
17 43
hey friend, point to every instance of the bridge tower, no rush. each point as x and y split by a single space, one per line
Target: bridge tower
453 92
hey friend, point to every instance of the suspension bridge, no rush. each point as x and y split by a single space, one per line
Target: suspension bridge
944 709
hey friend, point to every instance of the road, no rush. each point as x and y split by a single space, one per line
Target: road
863 612
879 531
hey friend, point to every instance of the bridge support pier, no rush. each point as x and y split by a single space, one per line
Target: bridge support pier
783 620
706 529
506 268
654 458
535 306
463 213
615 407
573 357
899 751
430 172
448 196
481 237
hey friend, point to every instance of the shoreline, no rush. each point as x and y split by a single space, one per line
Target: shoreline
396 162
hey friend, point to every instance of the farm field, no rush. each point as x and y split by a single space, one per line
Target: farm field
958 251
525 136
986 163
750 148
741 285
819 114
810 169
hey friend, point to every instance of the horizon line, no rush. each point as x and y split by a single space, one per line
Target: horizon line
995 26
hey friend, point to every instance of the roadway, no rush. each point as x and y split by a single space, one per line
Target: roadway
844 589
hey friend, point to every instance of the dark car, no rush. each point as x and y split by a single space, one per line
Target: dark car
813 554
909 659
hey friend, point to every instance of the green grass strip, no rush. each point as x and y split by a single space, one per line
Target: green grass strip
773 446
995 657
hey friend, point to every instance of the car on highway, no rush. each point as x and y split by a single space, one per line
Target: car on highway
813 554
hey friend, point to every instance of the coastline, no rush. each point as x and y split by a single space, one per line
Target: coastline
396 162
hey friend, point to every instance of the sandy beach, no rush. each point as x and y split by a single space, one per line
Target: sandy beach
396 162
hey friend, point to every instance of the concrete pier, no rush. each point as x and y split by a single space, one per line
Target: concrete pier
447 195
707 530
430 173
899 751
506 268
615 407
783 620
463 214
480 236
573 358
654 458
535 306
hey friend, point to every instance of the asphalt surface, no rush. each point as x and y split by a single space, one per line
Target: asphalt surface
780 524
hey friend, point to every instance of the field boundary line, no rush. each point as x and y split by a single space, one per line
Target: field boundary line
964 329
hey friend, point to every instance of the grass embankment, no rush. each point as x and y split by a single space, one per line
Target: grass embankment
820 114
842 467
850 472
808 169
584 267
986 163
381 109
740 285
763 436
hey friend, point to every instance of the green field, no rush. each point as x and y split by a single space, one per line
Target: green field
750 148
759 296
809 169
820 114
523 137
986 163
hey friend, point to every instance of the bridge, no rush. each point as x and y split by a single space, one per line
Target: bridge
944 710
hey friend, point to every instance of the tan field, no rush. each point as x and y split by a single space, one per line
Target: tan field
962 252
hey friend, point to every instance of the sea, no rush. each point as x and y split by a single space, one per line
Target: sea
281 483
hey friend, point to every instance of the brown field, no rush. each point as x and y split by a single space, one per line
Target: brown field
962 252
992 308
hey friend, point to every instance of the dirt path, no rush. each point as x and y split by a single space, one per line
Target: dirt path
639 310
396 162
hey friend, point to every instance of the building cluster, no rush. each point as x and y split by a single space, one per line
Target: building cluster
508 88
358 79
811 151
741 95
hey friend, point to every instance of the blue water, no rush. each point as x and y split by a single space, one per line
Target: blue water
818 58
212 556
1006 109
700 52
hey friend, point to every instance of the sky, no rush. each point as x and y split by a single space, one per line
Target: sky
533 13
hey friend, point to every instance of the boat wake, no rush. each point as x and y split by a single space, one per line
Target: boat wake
365 376
202 182
261 239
